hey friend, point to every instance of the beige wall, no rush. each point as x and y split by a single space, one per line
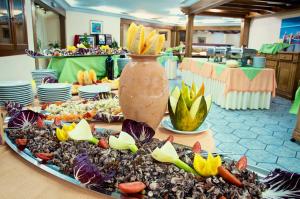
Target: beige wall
147 31
267 29
79 23
19 67
217 38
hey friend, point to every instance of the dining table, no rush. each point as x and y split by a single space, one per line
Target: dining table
21 179
244 87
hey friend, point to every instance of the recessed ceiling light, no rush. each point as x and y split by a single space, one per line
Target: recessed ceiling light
109 9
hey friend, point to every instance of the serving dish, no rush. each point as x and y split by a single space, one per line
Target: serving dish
167 124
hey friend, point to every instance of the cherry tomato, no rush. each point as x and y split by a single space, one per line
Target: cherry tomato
131 187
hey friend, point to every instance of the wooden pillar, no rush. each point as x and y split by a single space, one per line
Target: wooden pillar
245 27
173 38
189 35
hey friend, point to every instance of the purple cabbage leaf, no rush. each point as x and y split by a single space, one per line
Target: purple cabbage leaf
87 173
140 131
106 117
49 79
281 185
12 108
23 119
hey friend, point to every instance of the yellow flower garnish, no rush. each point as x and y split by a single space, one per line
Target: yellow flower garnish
207 167
62 134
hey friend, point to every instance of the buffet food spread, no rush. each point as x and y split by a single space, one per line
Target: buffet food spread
102 108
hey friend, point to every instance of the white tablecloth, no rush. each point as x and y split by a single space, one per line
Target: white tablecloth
232 100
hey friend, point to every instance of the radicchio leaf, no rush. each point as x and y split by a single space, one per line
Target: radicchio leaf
140 131
23 119
87 173
104 95
282 185
106 117
49 79
12 108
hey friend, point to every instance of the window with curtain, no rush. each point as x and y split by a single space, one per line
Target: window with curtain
13 34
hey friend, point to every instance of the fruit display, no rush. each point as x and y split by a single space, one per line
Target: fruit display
133 164
79 50
188 108
86 77
107 110
138 44
114 84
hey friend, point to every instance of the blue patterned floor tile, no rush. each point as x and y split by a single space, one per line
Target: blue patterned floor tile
245 134
252 144
222 128
292 145
249 160
233 148
220 122
268 121
261 131
287 124
298 155
238 125
261 156
269 166
217 142
282 135
224 137
281 151
275 127
270 140
254 123
291 164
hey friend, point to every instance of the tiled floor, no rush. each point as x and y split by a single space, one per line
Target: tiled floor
262 135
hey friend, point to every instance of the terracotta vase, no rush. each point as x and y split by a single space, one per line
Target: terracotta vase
144 90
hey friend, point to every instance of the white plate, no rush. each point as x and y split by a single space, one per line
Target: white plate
8 84
166 123
13 89
100 88
54 86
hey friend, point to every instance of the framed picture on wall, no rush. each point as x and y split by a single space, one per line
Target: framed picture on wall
90 39
96 27
164 33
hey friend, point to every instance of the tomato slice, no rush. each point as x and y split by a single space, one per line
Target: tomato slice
103 143
242 163
197 147
132 187
170 138
229 177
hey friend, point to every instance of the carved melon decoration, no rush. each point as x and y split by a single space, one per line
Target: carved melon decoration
139 45
86 77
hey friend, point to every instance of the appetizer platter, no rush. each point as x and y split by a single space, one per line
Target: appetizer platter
104 107
131 163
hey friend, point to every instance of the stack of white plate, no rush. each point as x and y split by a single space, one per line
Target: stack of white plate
54 92
16 91
38 75
90 91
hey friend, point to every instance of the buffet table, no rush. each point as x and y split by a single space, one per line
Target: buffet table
231 88
67 67
20 179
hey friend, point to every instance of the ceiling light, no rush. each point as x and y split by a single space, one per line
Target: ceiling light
109 9
214 10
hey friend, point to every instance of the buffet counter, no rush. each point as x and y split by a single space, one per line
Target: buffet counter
232 88
67 67
21 179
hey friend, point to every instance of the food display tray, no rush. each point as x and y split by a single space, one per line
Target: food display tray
54 170
69 56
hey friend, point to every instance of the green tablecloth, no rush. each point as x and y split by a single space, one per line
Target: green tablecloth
296 103
251 72
273 48
67 68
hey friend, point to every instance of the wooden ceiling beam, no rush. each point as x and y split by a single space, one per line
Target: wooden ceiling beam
222 14
211 28
244 10
203 5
